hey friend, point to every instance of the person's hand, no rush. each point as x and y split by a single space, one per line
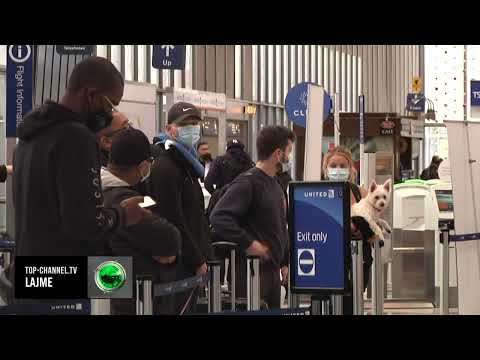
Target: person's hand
363 191
355 232
258 249
9 169
165 259
373 239
284 271
134 213
202 270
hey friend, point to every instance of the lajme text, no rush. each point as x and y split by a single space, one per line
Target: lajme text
39 282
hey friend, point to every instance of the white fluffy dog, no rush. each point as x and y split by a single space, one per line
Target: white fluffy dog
373 205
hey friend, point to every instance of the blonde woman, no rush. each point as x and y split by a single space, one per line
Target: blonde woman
338 166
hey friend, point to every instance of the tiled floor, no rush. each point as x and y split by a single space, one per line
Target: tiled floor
409 308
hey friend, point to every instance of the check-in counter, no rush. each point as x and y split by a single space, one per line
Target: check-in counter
413 263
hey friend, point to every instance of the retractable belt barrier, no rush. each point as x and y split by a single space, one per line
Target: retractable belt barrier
464 237
272 312
180 286
145 294
146 291
446 227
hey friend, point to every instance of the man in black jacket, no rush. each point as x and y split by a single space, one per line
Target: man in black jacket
154 243
431 172
56 185
174 185
252 213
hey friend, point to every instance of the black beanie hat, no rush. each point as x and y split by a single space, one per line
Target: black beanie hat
129 148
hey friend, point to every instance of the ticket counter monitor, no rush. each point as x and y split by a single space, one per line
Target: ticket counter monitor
413 265
442 191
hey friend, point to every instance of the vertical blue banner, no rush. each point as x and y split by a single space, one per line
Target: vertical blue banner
19 85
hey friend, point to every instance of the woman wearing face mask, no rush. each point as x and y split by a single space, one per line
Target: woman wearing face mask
338 166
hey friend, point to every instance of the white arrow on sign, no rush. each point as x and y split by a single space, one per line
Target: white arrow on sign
167 49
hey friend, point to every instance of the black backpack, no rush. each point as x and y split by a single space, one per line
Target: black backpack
232 167
217 195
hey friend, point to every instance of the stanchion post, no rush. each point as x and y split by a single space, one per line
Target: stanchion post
377 280
233 279
253 283
316 305
337 302
357 274
100 307
325 307
144 295
214 287
445 284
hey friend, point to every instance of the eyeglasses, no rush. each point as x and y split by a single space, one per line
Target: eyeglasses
113 108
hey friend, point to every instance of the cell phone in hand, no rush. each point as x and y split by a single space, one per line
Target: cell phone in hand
147 202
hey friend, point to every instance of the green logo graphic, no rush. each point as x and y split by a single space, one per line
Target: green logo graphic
110 276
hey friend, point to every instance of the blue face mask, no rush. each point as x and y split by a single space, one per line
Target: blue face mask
189 135
338 174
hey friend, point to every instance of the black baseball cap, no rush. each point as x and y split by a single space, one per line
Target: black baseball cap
129 148
181 111
235 143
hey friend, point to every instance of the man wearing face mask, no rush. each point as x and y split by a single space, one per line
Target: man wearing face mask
154 243
57 189
174 185
253 213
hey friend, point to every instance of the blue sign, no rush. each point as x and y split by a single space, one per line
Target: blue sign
416 102
320 223
19 85
296 103
361 105
475 93
169 56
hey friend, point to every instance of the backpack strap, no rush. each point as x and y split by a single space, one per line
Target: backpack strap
356 192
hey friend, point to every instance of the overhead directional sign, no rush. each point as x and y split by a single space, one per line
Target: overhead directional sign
475 93
19 85
74 49
416 102
417 85
296 103
169 56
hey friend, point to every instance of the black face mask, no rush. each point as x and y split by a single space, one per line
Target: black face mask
98 120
